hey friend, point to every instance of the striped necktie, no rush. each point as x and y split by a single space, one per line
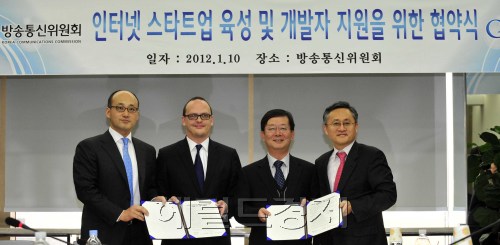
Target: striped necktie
279 176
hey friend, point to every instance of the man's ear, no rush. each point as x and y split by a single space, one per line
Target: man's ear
108 113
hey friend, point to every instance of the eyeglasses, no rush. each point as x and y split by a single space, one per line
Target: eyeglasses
274 129
346 124
203 116
121 108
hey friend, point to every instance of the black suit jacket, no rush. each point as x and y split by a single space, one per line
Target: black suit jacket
257 182
366 182
177 177
101 184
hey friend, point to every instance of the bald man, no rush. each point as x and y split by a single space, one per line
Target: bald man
112 173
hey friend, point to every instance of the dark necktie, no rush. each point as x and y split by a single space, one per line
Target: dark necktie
128 168
198 167
279 176
342 155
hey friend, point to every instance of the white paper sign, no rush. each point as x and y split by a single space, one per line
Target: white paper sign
293 222
191 219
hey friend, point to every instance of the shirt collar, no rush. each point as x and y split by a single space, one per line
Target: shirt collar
118 137
346 149
192 144
285 160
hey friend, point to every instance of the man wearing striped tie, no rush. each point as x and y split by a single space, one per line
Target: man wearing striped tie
278 178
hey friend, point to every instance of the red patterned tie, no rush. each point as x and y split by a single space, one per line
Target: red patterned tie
342 155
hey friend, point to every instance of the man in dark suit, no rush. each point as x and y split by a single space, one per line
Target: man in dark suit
112 172
278 178
197 167
364 179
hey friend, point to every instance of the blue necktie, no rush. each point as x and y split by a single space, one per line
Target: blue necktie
198 167
128 167
279 176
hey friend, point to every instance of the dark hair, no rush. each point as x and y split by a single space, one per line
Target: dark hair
110 98
276 113
195 98
337 105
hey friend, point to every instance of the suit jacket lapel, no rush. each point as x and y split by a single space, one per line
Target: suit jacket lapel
349 167
266 176
212 166
111 149
294 170
323 169
141 164
188 165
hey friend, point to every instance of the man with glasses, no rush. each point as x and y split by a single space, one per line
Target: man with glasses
112 173
277 179
361 174
198 167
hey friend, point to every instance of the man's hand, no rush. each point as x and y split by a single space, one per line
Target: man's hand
222 207
134 212
263 214
303 202
346 207
159 199
174 199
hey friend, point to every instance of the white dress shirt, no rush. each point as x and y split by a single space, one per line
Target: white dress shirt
334 163
117 137
203 153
